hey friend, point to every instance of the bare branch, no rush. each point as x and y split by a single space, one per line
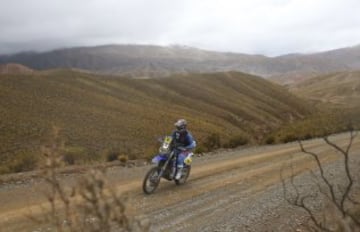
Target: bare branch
302 205
322 173
337 195
346 165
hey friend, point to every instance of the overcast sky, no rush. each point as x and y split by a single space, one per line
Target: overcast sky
269 27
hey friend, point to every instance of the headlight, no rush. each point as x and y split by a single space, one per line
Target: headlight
163 150
188 160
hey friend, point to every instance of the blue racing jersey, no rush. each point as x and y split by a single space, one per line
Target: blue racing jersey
184 138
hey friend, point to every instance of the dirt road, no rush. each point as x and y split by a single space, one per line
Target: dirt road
238 190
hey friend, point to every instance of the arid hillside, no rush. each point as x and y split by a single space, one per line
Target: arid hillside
97 114
337 95
14 69
341 88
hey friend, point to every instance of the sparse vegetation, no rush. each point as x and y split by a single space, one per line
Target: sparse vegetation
98 114
322 123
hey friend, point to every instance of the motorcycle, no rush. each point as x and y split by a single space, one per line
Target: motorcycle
165 163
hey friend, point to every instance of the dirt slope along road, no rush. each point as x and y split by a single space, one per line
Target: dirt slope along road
237 190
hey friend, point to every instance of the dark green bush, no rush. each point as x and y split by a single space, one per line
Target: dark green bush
78 155
289 138
112 154
270 140
308 136
236 141
199 149
69 158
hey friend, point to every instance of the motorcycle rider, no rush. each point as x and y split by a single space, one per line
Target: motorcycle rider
185 143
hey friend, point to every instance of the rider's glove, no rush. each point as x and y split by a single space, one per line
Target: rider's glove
182 148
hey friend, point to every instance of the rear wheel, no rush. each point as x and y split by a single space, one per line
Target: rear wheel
184 176
151 180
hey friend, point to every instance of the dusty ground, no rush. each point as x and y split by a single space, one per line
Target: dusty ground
238 190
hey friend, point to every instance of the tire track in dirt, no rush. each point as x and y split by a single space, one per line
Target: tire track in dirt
202 198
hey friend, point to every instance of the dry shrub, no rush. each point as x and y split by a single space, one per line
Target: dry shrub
123 158
21 162
111 154
92 205
79 155
270 140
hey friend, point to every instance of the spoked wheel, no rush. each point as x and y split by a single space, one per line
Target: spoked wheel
151 180
184 175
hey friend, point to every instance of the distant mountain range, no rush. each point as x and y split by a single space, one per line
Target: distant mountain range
144 61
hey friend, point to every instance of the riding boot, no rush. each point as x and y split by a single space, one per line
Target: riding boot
178 174
173 172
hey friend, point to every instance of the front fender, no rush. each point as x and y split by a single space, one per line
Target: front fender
159 158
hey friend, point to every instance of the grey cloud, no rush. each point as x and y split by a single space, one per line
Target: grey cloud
271 27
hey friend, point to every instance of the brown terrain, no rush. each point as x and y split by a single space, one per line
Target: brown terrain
98 113
233 190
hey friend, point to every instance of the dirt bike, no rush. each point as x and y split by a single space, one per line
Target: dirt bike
165 164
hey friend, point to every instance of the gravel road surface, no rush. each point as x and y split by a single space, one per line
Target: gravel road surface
228 190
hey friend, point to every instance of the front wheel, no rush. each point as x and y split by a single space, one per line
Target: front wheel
184 176
151 180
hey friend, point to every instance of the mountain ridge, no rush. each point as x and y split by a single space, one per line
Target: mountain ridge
158 61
